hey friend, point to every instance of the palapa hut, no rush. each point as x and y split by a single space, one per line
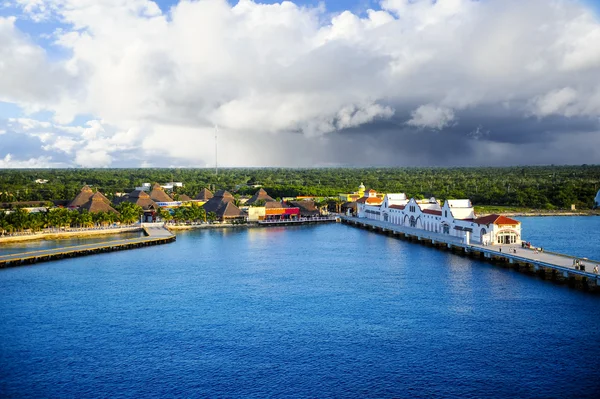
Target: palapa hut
222 205
142 199
84 196
184 198
204 195
275 210
158 194
260 195
97 204
307 208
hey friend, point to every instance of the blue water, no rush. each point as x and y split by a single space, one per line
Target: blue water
319 311
572 235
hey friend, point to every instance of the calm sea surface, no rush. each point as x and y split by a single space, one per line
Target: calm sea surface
315 311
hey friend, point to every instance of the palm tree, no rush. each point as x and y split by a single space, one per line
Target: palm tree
211 216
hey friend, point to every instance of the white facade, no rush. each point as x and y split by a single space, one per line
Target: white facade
597 200
455 218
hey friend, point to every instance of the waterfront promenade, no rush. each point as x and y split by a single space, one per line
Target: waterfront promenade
553 265
156 234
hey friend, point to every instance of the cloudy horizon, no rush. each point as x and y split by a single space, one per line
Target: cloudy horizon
138 83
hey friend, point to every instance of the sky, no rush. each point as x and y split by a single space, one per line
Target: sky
304 83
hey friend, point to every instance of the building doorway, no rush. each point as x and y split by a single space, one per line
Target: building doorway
507 237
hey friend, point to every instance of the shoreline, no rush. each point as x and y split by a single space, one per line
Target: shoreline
111 231
68 234
541 213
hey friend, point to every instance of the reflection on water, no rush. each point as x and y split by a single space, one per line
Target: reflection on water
315 311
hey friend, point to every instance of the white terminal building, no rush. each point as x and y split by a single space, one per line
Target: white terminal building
455 218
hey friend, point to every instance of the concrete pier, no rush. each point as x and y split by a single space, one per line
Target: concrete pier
548 265
156 234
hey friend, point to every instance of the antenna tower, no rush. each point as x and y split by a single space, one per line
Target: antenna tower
216 151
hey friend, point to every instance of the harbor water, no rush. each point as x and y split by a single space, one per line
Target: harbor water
309 311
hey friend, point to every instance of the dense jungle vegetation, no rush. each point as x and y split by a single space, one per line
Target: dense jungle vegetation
540 187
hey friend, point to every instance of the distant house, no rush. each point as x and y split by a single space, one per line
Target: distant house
41 181
170 186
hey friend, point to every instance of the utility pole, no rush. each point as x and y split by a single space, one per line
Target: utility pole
216 151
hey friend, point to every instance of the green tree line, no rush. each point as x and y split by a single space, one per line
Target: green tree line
542 187
20 220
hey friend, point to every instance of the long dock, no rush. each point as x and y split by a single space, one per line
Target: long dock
156 234
323 219
547 265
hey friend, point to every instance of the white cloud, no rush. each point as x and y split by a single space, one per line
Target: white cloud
431 116
556 102
9 162
92 158
267 72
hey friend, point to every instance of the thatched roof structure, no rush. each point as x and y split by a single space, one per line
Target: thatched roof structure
204 195
142 199
158 194
229 211
275 205
307 208
221 197
84 196
97 203
258 196
184 198
222 205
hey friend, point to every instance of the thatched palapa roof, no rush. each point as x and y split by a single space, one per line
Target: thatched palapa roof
204 195
221 197
158 194
258 196
229 210
97 203
84 196
307 208
184 198
142 199
222 204
275 205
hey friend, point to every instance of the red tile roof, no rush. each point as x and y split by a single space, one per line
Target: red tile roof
370 200
432 212
401 207
496 219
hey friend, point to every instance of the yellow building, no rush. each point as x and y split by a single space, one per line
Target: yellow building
353 197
